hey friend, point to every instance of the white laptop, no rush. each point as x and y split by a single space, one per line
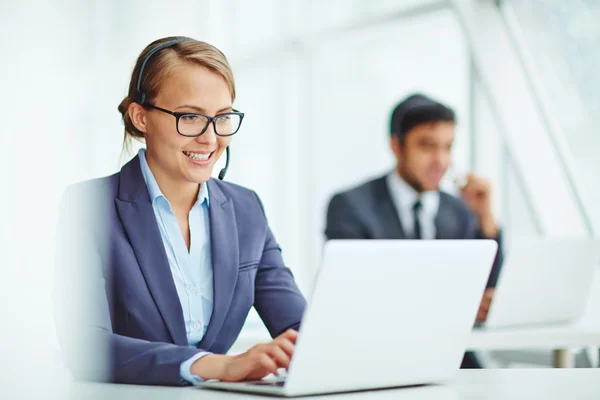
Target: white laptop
544 281
384 313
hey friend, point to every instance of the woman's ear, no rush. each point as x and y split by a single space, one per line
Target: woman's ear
137 115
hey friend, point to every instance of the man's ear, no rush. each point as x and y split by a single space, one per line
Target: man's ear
137 115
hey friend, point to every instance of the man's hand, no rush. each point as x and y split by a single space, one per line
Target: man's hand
484 307
256 363
477 193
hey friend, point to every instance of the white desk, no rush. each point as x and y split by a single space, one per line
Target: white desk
560 339
547 384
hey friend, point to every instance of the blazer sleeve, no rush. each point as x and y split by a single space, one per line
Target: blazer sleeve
474 232
82 314
342 221
277 298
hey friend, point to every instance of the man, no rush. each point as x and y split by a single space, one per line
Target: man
408 204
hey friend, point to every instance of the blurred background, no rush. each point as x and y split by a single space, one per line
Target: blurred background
317 81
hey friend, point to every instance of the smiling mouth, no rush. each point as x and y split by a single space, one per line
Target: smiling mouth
198 156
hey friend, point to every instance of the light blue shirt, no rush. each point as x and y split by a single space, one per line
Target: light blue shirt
192 270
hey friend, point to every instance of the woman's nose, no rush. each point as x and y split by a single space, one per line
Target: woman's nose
209 136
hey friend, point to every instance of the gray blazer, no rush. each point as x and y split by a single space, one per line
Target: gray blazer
112 261
368 212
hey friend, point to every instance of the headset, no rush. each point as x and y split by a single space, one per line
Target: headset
140 94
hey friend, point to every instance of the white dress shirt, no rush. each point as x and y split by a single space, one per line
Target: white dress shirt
404 198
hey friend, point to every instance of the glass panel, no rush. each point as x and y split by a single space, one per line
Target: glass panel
519 218
512 205
563 39
488 143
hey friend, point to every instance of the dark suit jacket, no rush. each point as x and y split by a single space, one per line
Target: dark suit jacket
117 298
368 212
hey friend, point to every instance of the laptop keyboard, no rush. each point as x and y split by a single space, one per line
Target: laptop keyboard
266 383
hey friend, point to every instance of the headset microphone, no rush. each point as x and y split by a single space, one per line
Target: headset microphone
224 170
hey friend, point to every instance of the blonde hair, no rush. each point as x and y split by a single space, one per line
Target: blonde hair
161 65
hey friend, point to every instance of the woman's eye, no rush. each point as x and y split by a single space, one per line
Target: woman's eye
189 117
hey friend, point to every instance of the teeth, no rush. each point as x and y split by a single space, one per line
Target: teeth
197 156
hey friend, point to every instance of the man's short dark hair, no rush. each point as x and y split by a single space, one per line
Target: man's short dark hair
415 110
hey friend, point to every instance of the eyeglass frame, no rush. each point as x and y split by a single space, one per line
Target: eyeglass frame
210 119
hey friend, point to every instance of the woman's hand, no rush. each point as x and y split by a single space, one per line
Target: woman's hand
256 363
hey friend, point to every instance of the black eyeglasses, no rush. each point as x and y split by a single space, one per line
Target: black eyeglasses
194 124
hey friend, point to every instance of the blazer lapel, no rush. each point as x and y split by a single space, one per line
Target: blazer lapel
137 216
225 258
389 219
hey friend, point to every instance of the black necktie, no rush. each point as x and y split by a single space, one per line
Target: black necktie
417 227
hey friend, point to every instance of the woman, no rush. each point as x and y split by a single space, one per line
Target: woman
169 261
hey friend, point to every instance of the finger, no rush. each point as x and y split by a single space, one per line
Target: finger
267 363
474 191
287 346
467 194
462 186
257 374
290 334
279 356
470 191
475 181
465 184
470 181
481 186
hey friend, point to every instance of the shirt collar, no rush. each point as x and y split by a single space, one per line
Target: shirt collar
154 189
405 195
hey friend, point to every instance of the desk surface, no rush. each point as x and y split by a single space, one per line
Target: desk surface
548 384
551 337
